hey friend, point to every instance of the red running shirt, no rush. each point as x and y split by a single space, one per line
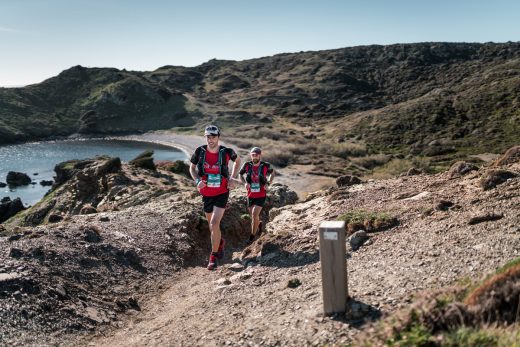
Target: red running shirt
255 179
211 167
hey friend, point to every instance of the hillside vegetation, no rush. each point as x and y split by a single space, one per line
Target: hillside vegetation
365 110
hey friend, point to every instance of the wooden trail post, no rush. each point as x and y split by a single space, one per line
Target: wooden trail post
333 266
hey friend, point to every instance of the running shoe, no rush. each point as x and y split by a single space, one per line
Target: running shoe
212 265
220 252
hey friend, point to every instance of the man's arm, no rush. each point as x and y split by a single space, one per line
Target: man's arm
242 172
193 172
236 165
270 178
195 175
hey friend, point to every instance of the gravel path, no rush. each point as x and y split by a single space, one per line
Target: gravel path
253 306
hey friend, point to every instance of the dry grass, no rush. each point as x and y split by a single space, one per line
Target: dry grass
371 161
278 157
393 168
491 284
343 150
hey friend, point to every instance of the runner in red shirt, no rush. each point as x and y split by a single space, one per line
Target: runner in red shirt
256 183
209 169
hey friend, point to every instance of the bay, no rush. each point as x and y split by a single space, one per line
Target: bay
37 159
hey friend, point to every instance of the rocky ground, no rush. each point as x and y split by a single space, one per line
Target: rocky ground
136 275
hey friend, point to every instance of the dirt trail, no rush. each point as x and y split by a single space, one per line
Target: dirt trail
254 306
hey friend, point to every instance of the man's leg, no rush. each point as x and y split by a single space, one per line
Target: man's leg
208 218
214 219
250 208
255 218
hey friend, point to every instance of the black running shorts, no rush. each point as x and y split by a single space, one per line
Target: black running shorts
217 200
256 201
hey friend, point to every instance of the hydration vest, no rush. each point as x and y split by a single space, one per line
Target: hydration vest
223 167
261 178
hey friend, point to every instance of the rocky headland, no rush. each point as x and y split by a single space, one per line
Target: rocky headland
115 255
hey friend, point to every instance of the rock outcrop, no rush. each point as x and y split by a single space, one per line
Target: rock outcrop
17 179
144 160
9 208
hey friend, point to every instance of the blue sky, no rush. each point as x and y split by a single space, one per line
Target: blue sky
40 38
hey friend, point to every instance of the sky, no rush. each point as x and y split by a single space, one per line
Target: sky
41 38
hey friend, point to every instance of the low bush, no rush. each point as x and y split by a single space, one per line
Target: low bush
278 157
343 150
371 161
367 220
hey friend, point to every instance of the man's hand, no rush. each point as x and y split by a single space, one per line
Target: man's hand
247 185
201 184
232 183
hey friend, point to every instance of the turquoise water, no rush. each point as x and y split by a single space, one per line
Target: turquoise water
39 158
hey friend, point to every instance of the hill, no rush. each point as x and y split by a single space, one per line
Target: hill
116 255
368 110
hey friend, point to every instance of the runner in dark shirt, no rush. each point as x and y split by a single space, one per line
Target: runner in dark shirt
209 169
256 182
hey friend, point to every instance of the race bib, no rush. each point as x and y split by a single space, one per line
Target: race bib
255 187
214 180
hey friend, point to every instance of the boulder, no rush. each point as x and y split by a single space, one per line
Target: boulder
280 195
88 209
17 179
493 178
3 185
91 235
110 165
347 180
512 155
413 172
67 169
180 167
144 160
461 168
55 218
357 239
9 208
46 182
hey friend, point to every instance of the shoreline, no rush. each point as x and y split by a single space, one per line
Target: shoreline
295 177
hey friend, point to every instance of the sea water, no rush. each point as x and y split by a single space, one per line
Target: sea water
37 160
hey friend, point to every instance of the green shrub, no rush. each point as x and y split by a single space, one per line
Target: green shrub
466 336
367 220
415 336
508 266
